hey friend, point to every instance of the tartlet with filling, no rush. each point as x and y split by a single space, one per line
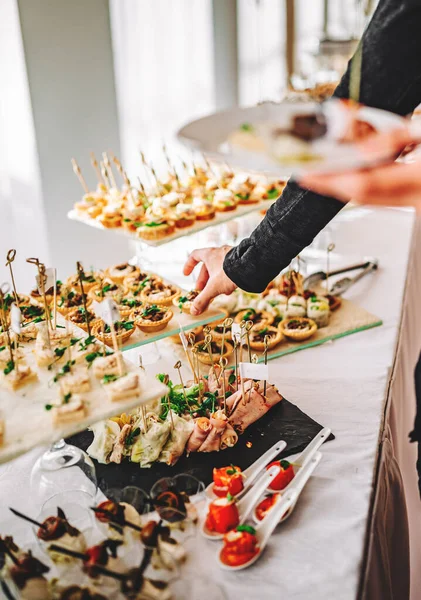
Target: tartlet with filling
257 337
136 283
159 293
109 289
204 356
118 273
78 316
261 317
88 281
184 301
123 329
298 329
69 300
151 318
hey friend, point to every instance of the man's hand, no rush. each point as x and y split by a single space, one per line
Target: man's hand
212 280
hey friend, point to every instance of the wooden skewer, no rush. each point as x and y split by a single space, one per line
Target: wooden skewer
330 248
97 170
236 362
10 258
42 279
117 349
110 515
249 325
178 367
5 549
254 360
101 286
196 360
142 408
266 343
167 397
227 323
242 327
223 363
186 351
107 164
208 347
26 518
79 175
81 273
55 299
105 176
4 322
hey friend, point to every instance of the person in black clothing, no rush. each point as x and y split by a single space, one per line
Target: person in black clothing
390 80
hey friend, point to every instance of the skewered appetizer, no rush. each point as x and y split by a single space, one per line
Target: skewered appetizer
227 480
102 555
58 530
111 216
183 215
296 306
16 374
298 329
88 281
156 229
28 575
116 514
37 299
242 186
151 318
224 200
122 387
78 316
203 208
222 515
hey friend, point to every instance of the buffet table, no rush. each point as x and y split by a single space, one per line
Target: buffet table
346 539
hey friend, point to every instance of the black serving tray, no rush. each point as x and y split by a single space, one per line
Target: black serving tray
284 421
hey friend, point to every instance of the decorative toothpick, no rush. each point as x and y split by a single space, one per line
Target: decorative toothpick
107 164
236 361
330 248
81 273
178 367
243 335
41 280
254 361
185 345
196 360
165 382
105 176
223 363
97 170
10 258
79 175
143 408
266 343
208 347
249 325
227 323
3 291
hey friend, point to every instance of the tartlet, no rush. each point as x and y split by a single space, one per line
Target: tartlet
70 300
257 337
298 329
88 280
118 273
124 330
151 318
32 313
110 289
196 332
127 305
77 316
184 301
203 354
155 230
257 316
217 331
159 293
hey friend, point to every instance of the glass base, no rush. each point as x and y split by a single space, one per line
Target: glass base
63 468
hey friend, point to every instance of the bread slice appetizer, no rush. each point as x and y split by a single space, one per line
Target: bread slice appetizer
257 337
184 301
5 355
298 329
224 200
106 365
123 330
75 381
118 273
73 410
111 216
183 215
156 229
215 354
13 377
133 217
152 318
204 208
159 293
123 387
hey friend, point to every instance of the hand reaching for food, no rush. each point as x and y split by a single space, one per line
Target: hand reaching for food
212 279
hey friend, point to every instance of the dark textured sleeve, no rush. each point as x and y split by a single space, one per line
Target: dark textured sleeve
390 79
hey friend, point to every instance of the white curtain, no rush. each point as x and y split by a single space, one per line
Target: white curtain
164 71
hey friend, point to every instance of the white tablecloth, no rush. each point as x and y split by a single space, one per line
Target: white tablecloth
328 547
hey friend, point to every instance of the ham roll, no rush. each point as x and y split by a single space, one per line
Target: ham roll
202 428
229 438
253 407
213 441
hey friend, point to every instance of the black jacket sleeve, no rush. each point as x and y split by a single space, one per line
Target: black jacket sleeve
391 80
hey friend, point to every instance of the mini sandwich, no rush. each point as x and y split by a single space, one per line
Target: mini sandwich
106 365
17 377
124 387
77 382
74 410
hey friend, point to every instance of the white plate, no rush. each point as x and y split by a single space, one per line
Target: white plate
210 134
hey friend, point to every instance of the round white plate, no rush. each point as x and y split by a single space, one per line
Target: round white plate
210 135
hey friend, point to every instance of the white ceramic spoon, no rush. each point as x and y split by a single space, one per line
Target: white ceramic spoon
246 504
250 474
297 484
265 528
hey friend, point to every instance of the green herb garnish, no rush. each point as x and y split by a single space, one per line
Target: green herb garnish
153 224
9 367
48 406
67 397
272 193
232 471
130 438
231 378
247 127
284 464
65 369
109 378
230 498
246 528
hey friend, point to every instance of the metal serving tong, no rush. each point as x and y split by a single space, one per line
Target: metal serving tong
342 285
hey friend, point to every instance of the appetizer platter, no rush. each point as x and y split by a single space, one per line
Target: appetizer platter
290 137
129 551
162 210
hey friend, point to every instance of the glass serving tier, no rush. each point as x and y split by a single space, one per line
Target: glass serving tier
220 217
29 414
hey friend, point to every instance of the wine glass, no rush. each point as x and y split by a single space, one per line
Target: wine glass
63 468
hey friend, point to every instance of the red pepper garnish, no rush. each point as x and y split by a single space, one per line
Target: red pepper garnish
240 546
265 505
96 555
223 515
227 480
111 507
285 475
